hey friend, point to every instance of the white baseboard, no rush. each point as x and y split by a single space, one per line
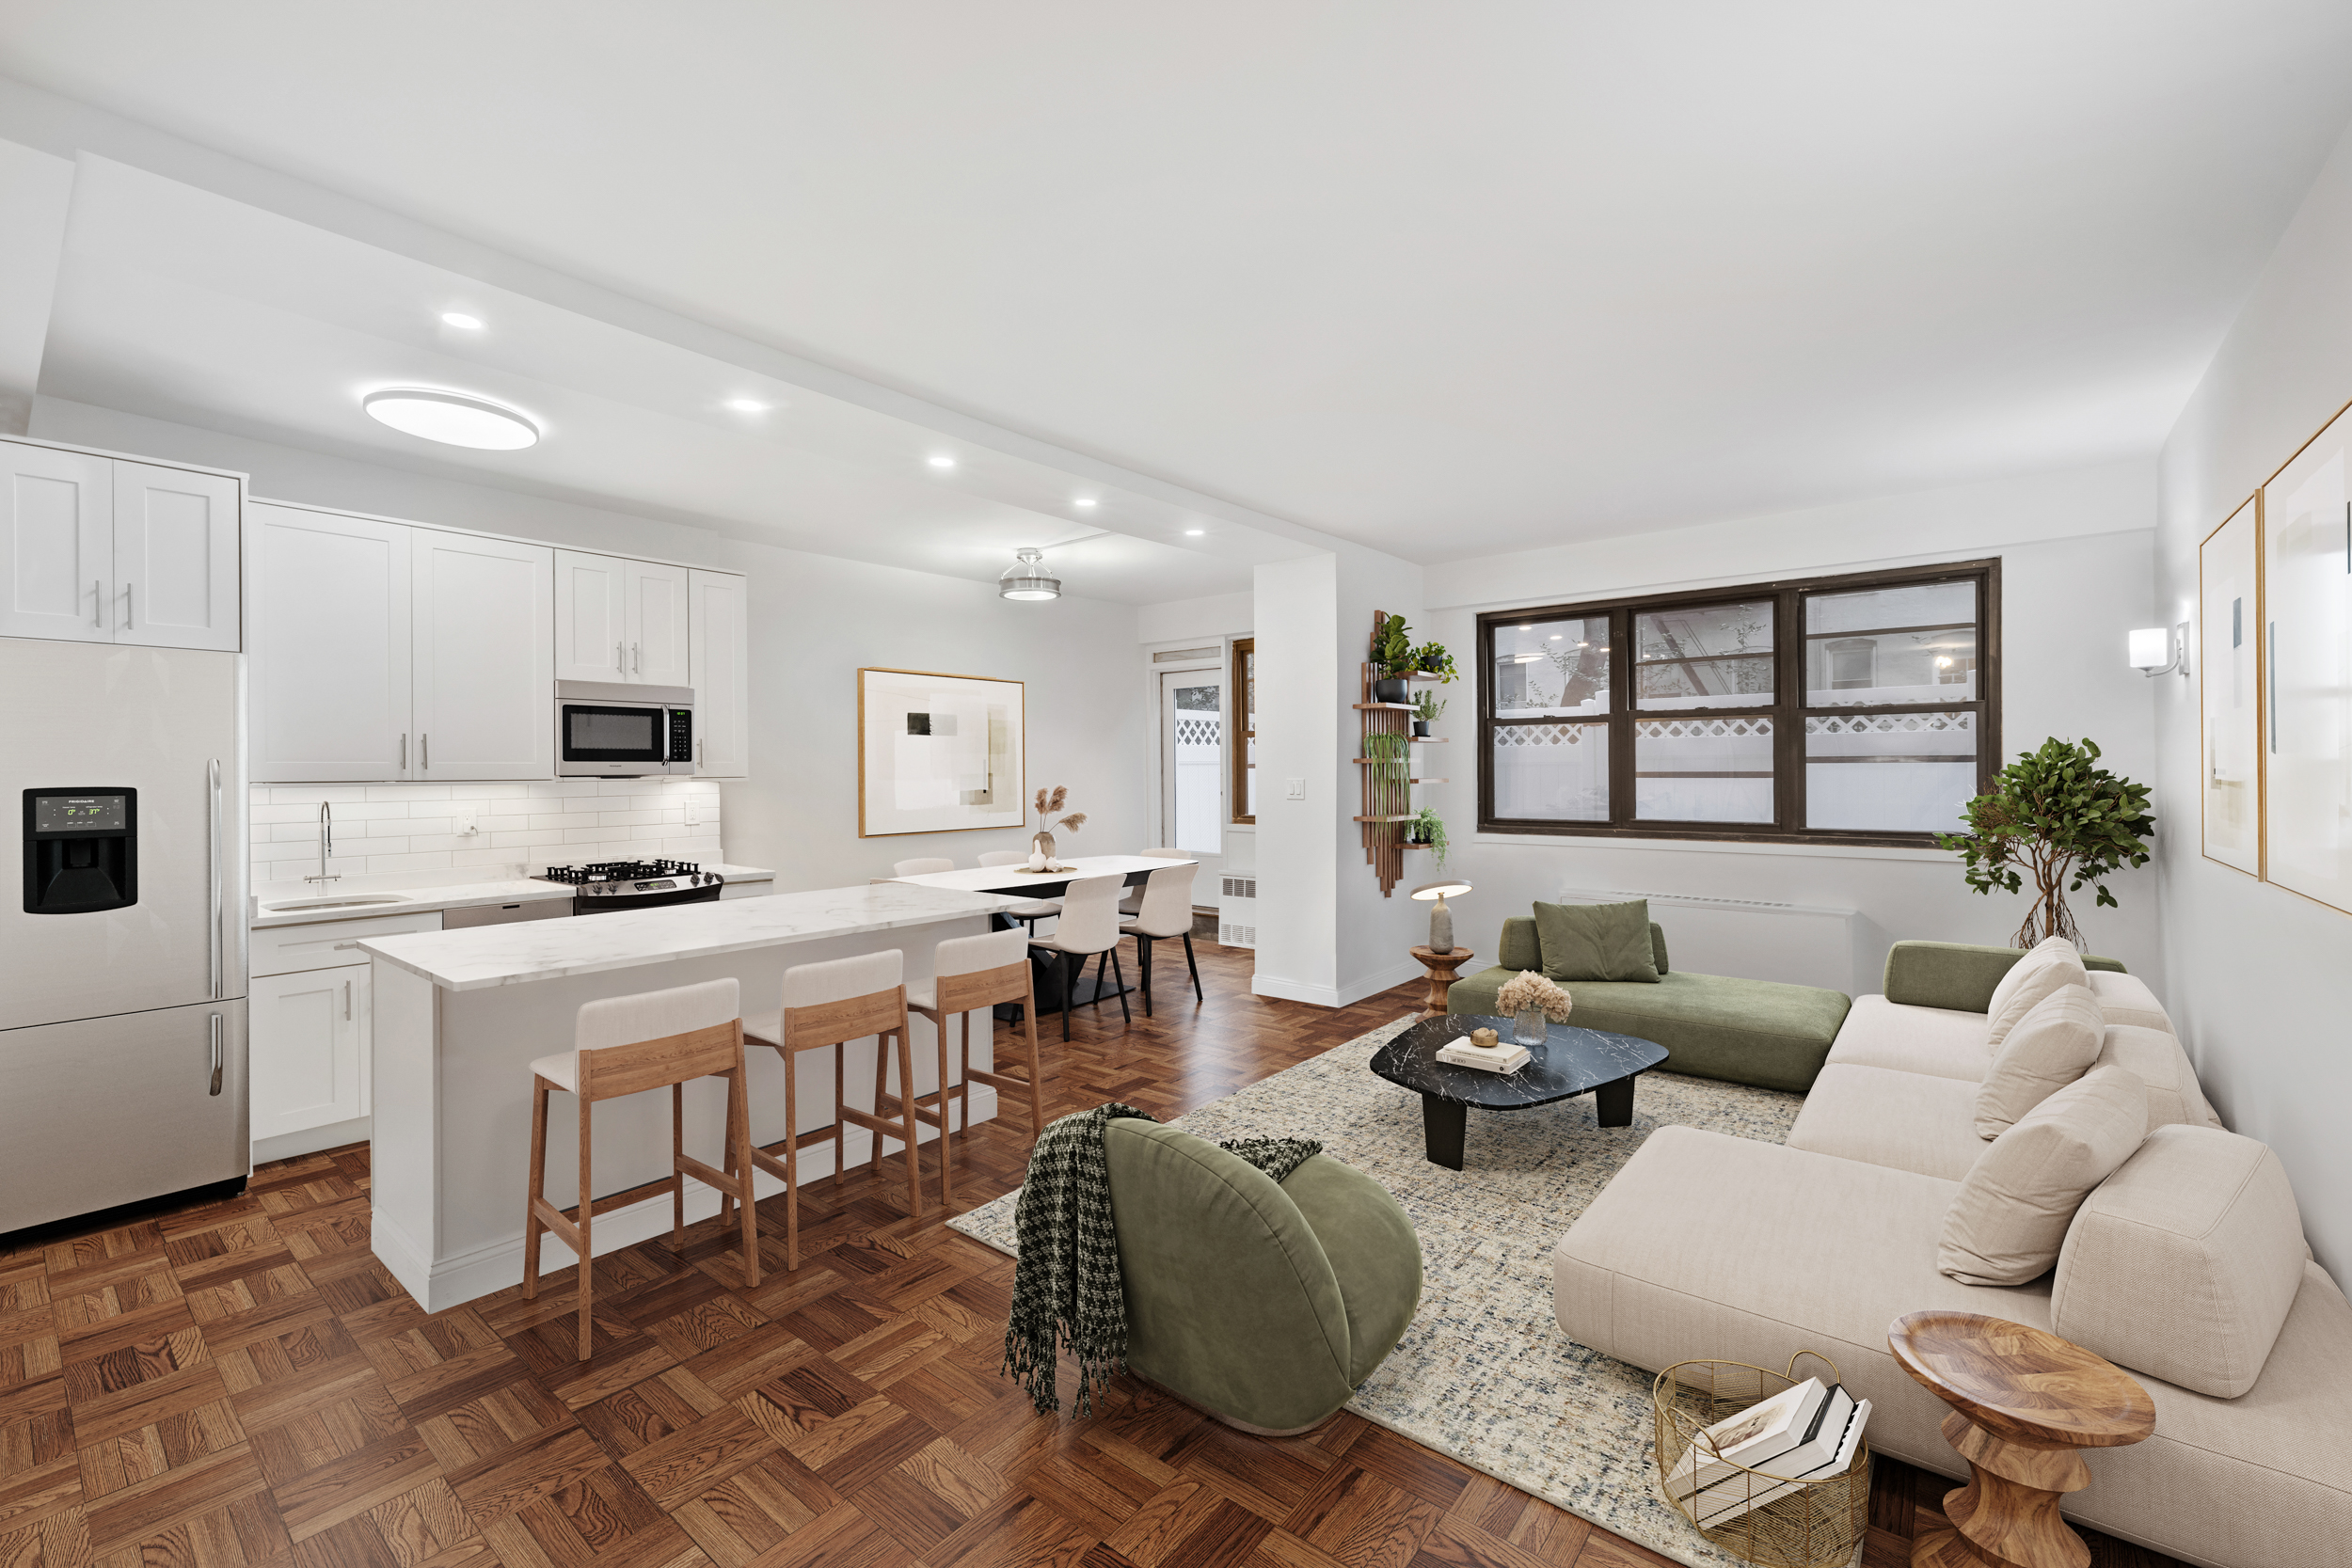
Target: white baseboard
1335 996
287 1146
495 1265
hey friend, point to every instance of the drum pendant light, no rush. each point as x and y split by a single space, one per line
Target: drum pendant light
1028 578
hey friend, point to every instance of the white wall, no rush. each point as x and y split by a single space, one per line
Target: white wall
2262 979
815 620
2077 570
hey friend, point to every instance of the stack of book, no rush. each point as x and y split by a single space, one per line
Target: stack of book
1495 1058
1808 1432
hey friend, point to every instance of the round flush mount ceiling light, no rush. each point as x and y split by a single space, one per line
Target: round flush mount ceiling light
1028 578
451 418
459 318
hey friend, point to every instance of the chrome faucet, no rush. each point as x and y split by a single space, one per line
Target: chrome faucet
327 844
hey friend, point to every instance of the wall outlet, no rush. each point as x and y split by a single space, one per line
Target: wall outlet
1297 790
465 824
693 811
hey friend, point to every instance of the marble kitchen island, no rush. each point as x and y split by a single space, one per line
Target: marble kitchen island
459 1016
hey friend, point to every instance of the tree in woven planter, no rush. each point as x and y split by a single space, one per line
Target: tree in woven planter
2061 815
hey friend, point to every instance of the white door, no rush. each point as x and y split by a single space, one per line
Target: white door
1192 768
482 652
327 675
307 1068
56 544
591 617
175 558
656 618
718 663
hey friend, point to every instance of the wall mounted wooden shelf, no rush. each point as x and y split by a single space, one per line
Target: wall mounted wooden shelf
1388 799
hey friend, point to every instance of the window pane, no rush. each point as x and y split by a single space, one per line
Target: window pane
1196 763
1552 772
1551 669
1889 772
1714 655
1703 769
1909 644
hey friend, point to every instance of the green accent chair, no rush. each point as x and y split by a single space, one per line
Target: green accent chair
1758 1032
1265 1305
1958 975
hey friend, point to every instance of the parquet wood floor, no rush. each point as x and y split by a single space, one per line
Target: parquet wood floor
243 1384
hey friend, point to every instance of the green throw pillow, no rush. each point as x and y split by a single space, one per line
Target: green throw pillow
1595 941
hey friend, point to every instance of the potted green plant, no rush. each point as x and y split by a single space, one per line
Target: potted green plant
2058 814
1426 706
1387 753
1431 659
1392 655
1428 828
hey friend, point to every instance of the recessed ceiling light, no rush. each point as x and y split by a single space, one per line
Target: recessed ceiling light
747 405
1083 500
1557 636
941 460
458 318
1195 533
451 418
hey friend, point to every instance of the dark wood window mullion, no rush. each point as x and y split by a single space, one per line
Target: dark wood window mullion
1621 783
1789 804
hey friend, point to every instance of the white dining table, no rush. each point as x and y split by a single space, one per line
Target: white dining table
1022 881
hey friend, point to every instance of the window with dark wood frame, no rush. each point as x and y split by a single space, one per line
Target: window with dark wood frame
1863 709
1243 751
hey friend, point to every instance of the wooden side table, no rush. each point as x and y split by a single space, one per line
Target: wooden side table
2024 1403
1440 967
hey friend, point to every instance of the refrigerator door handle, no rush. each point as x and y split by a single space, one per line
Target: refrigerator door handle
213 945
219 1056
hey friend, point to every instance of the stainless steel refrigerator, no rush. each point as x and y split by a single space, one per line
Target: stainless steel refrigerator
122 953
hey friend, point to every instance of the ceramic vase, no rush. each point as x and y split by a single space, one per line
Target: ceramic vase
1390 689
1442 929
1528 1028
1042 844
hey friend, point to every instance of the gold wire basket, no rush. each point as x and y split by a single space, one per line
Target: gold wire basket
1814 1524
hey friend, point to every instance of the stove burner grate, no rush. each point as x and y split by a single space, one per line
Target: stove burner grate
618 871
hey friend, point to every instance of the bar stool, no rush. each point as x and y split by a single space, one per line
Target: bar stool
833 1004
1166 911
626 1045
970 974
1133 901
1089 924
1029 913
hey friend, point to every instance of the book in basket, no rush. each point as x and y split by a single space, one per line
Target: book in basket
1749 1439
1829 1453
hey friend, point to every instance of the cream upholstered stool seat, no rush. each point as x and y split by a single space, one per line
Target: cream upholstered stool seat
833 1004
1166 911
1089 924
1133 901
1032 911
626 1045
922 866
969 975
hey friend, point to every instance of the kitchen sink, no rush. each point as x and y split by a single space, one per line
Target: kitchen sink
350 901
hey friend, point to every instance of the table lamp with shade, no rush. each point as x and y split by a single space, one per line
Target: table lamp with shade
1440 917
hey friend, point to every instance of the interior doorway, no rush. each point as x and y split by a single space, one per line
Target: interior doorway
1192 770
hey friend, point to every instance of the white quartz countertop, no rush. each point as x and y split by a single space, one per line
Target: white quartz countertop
457 895
531 950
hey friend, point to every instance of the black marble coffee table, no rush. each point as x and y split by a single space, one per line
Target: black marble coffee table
1571 1062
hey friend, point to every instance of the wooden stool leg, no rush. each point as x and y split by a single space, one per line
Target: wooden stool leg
534 1227
906 1115
587 1251
840 1133
739 1163
792 1160
946 1199
677 1177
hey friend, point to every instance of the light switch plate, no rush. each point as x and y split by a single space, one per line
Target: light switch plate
1297 790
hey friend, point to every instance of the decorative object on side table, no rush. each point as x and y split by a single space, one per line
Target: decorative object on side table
1572 1062
1441 916
1799 1513
2023 1404
1440 967
1048 803
2064 818
1530 999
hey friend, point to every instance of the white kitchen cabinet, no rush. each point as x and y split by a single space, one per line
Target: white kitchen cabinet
718 663
590 614
481 623
308 1049
175 558
655 620
101 549
328 679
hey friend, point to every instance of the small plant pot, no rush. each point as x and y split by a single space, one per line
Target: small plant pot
1421 728
1389 690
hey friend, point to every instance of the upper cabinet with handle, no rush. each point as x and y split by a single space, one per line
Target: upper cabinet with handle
719 664
483 651
620 620
327 683
102 549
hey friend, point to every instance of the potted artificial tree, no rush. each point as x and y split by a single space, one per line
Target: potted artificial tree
2056 814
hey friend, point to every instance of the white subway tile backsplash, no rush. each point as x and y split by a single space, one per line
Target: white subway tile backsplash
410 828
409 792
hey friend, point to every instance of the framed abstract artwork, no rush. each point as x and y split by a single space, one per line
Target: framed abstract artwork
938 754
2229 643
2307 670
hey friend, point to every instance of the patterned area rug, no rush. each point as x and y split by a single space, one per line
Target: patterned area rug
1484 1373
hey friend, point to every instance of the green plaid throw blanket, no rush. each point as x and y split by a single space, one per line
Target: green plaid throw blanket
1065 1285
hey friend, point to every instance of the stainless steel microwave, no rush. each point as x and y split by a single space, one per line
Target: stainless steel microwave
614 730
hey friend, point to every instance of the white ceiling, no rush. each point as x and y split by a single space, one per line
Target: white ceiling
1443 279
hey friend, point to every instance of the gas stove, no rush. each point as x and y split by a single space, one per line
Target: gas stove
613 887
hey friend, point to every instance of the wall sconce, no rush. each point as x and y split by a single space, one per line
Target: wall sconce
2161 651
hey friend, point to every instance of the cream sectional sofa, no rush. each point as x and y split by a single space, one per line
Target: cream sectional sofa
2187 1266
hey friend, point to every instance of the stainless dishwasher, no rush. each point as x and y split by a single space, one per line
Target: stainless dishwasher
502 914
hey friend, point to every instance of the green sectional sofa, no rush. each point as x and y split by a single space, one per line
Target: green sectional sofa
1758 1032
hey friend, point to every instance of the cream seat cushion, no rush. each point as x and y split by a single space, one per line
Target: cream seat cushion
2185 1262
562 1068
2155 1058
2042 970
2051 1045
1940 1041
2126 999
2009 1219
1902 1121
